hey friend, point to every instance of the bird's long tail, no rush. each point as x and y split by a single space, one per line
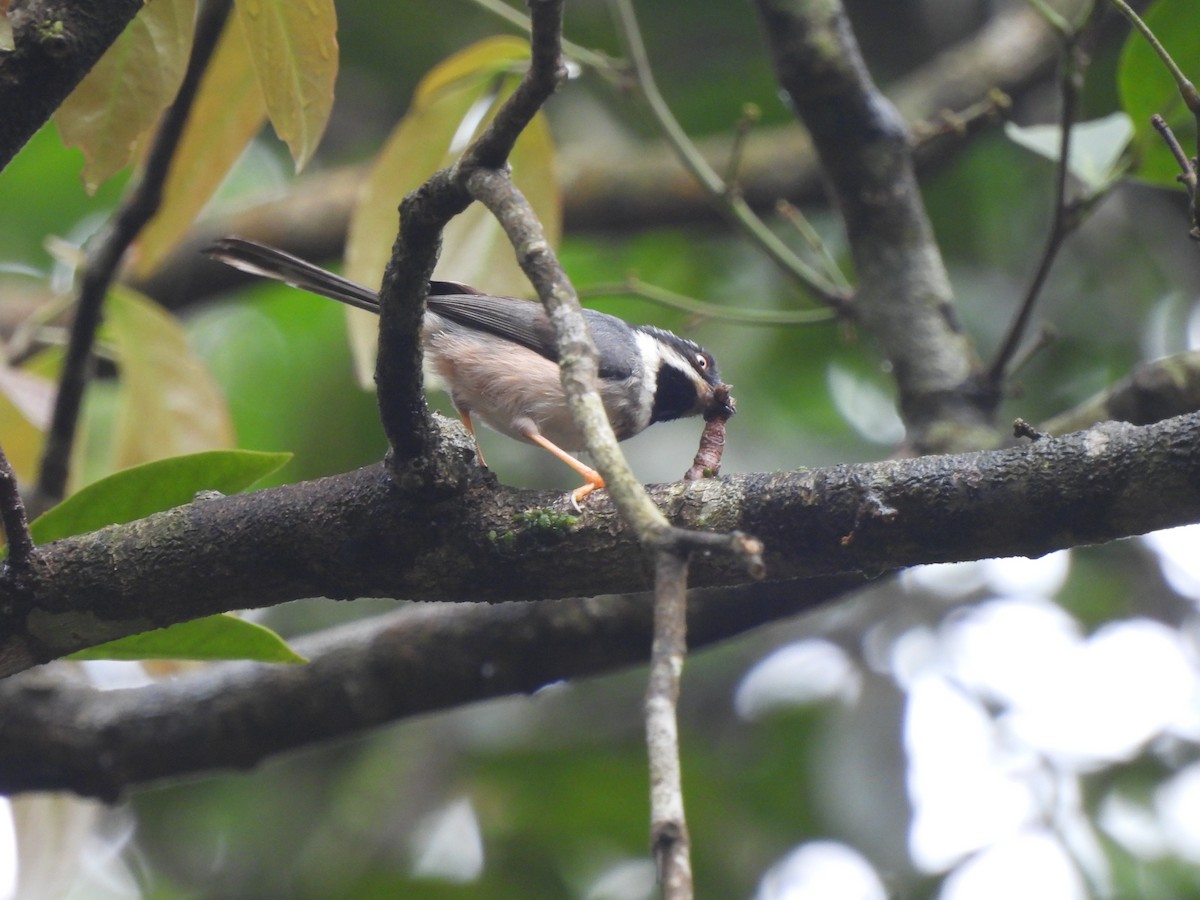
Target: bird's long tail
268 262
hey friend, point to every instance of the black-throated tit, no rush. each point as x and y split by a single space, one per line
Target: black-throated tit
495 357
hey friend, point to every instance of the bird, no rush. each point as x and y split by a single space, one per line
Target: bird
496 358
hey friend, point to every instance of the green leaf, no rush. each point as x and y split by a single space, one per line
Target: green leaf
1097 147
1146 87
137 492
211 638
451 104
295 53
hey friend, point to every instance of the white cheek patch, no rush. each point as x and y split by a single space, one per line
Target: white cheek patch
652 353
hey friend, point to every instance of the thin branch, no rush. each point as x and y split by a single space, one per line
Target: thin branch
1076 58
598 62
1191 99
736 209
816 243
741 131
634 287
1187 167
105 256
12 516
1187 176
1187 90
668 825
578 359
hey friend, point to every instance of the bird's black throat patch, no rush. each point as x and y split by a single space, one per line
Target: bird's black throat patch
674 395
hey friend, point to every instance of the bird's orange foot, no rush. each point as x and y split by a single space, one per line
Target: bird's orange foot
593 481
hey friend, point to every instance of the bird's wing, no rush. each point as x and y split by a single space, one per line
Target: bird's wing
525 323
520 321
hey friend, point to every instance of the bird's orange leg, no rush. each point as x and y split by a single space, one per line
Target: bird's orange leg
465 415
590 475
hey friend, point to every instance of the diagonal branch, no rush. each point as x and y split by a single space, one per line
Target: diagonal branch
904 299
56 44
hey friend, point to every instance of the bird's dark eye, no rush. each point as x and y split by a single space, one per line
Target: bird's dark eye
701 362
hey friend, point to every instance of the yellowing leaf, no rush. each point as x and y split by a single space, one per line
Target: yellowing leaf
169 403
476 250
228 112
122 97
26 401
452 102
294 49
7 45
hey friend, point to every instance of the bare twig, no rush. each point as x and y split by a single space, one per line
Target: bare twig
105 256
1187 90
578 359
668 826
12 516
634 287
741 130
1075 60
736 209
1187 176
598 62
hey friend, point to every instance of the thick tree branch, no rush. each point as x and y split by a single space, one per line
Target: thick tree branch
63 735
356 535
57 43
